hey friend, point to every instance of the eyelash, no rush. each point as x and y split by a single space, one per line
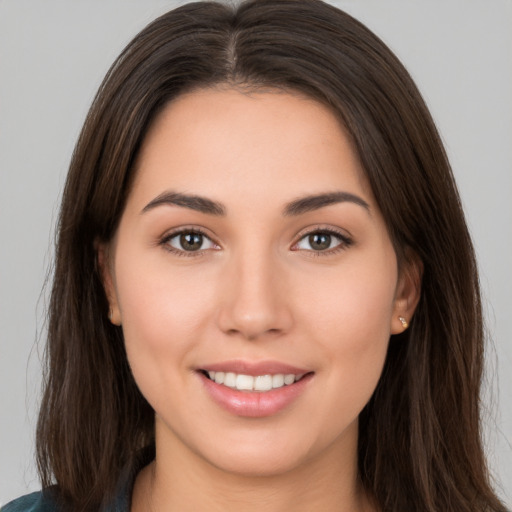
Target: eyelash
345 242
164 242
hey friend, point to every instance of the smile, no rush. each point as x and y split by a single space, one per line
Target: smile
254 390
260 383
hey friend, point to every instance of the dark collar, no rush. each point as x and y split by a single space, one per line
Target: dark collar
123 499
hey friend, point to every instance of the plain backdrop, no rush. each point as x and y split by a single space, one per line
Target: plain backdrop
53 56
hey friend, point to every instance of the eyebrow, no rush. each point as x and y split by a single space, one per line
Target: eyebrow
296 207
193 202
317 201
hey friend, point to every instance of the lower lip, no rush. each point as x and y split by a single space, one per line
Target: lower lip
255 404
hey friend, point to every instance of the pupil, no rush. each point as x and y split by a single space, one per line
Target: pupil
191 241
320 241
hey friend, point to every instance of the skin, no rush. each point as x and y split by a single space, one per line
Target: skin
257 291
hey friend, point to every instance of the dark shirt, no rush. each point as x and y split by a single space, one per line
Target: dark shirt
44 501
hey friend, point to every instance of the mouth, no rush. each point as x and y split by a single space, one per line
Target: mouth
254 389
253 383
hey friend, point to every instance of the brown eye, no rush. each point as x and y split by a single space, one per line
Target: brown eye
189 241
319 241
323 241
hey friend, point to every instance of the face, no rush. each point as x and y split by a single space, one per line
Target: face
255 282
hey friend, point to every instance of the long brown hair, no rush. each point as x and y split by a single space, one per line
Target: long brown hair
420 441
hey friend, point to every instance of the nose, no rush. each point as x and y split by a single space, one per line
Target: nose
255 301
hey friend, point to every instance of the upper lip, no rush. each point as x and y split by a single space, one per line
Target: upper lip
254 368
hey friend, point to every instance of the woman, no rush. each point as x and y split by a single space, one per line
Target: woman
252 307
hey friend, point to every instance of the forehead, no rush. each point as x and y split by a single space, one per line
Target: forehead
225 141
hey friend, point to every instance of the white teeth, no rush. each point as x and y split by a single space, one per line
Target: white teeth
230 379
244 382
278 380
289 379
263 383
249 383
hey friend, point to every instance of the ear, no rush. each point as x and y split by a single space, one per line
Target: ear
408 292
105 266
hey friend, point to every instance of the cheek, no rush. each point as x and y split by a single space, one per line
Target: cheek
163 313
349 316
154 296
355 307
163 320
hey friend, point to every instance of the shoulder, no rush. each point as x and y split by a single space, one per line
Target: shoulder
47 500
35 502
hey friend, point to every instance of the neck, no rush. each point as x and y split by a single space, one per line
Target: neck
179 480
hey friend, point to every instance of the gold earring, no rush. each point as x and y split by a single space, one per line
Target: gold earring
404 322
110 314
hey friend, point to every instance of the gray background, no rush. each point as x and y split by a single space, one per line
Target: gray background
53 55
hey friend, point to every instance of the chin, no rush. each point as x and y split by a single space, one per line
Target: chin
270 454
258 463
